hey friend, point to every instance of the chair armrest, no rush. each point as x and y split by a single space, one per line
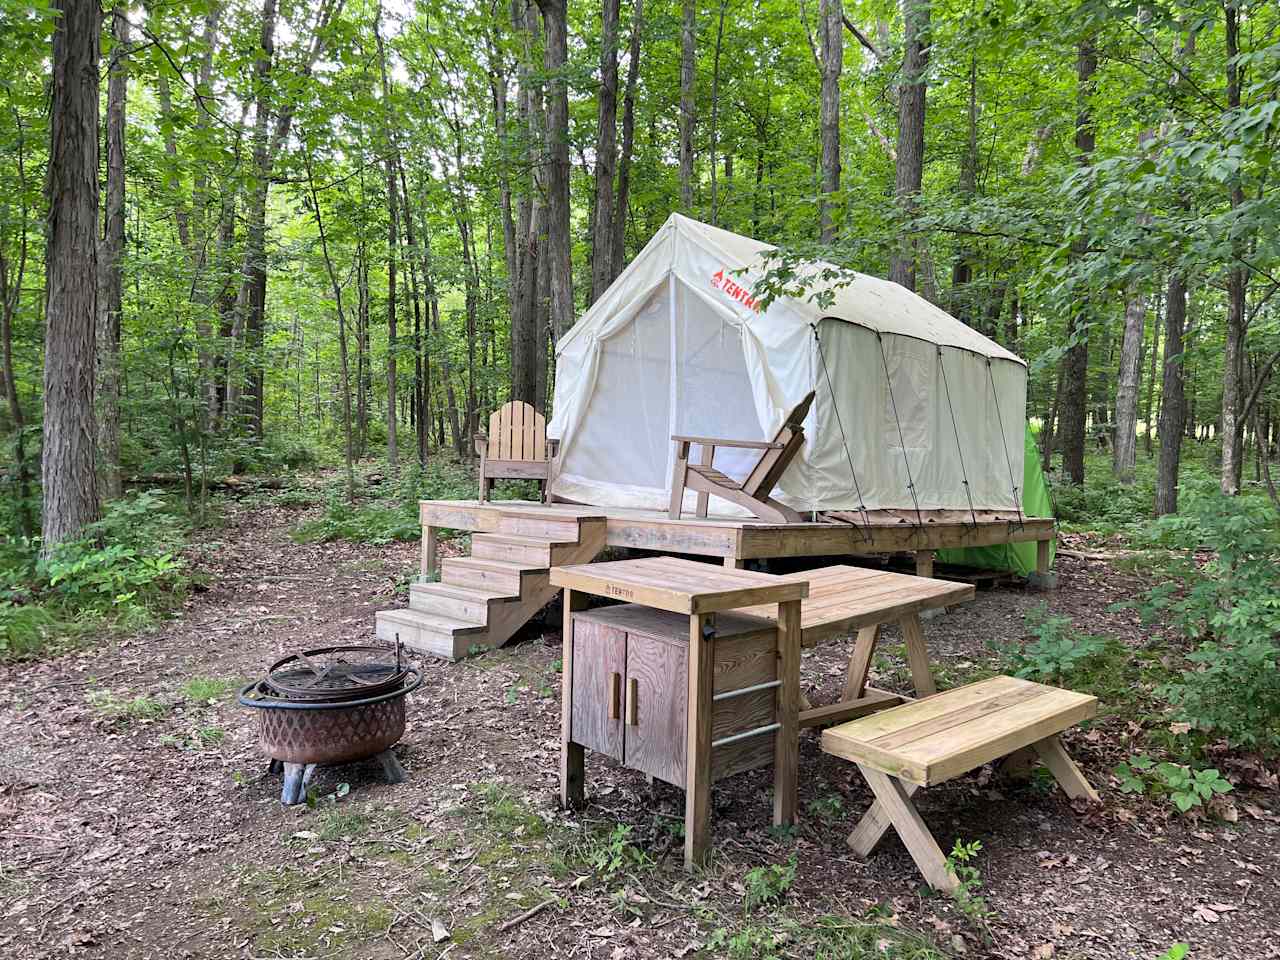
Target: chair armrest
481 441
719 442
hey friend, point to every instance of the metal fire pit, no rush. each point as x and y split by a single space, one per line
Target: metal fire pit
331 705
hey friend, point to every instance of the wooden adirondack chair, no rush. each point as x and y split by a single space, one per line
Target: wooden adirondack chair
515 448
754 492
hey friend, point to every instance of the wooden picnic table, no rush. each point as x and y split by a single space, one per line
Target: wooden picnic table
843 599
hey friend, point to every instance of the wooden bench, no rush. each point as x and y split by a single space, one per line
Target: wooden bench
515 448
929 741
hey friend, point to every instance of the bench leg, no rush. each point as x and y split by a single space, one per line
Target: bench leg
875 823
894 799
917 656
1064 770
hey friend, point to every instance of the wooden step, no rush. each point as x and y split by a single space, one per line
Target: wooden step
486 574
429 633
564 529
451 600
511 548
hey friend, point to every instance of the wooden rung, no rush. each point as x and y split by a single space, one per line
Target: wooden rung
745 734
743 691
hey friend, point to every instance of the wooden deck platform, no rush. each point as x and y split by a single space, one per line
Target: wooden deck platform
735 540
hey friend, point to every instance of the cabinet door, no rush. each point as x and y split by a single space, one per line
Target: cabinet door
657 691
599 662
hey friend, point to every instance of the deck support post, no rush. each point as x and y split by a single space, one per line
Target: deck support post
1043 578
924 563
430 563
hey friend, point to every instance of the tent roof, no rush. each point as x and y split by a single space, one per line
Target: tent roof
870 302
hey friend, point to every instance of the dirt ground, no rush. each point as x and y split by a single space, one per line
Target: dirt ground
137 821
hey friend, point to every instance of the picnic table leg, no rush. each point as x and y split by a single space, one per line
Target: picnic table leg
1064 770
917 656
787 738
855 681
697 766
572 761
924 850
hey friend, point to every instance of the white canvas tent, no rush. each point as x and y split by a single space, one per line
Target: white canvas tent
910 403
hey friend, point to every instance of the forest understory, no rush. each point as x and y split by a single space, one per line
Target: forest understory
138 820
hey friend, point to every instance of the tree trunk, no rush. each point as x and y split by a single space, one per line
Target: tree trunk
530 220
111 291
1075 364
71 274
618 251
1237 291
606 152
964 303
559 240
715 115
12 277
688 41
831 62
393 251
1124 454
911 109
1148 404
344 368
1172 400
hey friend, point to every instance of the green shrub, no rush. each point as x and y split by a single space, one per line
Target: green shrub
122 568
1059 655
768 884
1228 603
1184 786
24 630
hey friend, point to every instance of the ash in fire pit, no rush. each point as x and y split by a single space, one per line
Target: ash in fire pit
331 705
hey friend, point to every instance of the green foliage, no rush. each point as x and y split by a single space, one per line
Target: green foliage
122 569
204 689
611 855
1184 786
1059 655
24 630
125 709
1177 952
961 862
764 885
394 517
1221 589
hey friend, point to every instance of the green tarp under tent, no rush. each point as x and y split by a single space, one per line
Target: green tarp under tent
1019 558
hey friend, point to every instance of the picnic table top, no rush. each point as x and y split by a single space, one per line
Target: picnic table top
680 586
844 598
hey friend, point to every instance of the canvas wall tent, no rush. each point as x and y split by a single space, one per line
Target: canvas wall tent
677 345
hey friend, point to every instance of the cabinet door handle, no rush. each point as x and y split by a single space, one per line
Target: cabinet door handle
615 695
633 696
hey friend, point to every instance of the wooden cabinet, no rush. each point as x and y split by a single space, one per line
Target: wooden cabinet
675 684
630 689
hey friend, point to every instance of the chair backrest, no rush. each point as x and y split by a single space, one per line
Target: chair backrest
773 463
517 432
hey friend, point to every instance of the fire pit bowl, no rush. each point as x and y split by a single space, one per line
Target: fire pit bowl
331 705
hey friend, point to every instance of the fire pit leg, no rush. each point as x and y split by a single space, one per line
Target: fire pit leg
391 769
297 777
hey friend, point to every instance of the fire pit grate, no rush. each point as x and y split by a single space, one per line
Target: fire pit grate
331 705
